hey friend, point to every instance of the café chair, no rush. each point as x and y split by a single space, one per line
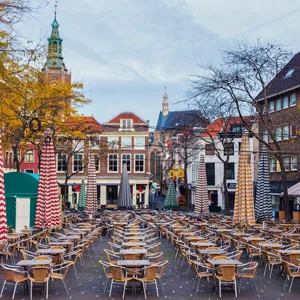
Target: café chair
12 275
39 275
247 271
226 274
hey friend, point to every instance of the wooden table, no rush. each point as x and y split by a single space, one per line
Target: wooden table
253 238
288 251
205 251
133 251
133 263
133 244
51 251
217 262
33 263
135 233
270 245
134 237
201 244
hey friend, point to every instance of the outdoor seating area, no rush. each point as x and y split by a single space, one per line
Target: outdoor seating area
147 255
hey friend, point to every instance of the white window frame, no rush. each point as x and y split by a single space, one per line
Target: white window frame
97 165
278 136
78 145
27 152
278 168
280 103
117 155
73 162
57 155
125 146
273 103
285 137
110 140
266 136
136 145
287 163
135 155
130 169
285 99
292 163
272 163
291 105
128 124
96 146
291 131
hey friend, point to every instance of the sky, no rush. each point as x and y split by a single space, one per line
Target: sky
126 51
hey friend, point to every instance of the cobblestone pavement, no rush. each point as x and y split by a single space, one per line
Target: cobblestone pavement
176 284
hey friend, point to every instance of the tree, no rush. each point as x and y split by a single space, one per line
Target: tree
244 73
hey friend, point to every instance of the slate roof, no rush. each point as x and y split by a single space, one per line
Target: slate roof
176 119
282 83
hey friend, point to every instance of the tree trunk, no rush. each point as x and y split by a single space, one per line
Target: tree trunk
286 201
226 194
64 199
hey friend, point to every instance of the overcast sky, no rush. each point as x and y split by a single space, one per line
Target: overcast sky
126 51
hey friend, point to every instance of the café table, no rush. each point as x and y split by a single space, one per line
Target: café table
216 262
133 237
33 263
51 251
67 245
202 244
253 238
133 244
133 251
133 263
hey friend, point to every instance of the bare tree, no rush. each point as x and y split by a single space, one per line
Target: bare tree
240 86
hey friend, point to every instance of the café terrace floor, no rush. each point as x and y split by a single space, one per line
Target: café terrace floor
177 286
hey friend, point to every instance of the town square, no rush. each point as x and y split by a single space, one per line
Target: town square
149 149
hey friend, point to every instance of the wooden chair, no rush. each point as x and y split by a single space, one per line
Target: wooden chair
159 274
292 272
205 272
247 271
39 275
112 257
107 273
118 277
149 278
271 260
59 272
28 254
12 275
227 275
72 257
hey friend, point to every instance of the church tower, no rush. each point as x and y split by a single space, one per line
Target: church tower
165 103
55 68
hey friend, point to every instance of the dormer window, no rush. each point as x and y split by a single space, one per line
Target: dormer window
126 124
289 73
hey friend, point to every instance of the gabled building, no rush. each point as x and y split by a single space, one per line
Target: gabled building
127 137
281 100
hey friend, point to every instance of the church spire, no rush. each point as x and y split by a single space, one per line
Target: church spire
54 56
165 103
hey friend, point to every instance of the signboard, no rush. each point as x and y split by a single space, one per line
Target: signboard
231 185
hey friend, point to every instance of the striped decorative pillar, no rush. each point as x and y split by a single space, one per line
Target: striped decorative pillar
48 210
201 196
244 201
91 193
3 220
82 196
171 201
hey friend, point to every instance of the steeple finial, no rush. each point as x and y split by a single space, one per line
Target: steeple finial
165 89
55 7
165 103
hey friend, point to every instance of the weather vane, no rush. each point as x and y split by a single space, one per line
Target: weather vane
55 6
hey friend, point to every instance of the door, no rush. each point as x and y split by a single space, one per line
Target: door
22 213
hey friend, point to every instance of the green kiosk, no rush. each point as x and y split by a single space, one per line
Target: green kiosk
20 195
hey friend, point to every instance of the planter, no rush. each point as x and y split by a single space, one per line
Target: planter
282 215
296 217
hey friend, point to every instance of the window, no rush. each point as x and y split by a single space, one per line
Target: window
289 73
278 104
61 162
230 171
278 168
78 162
209 149
293 131
293 99
139 143
126 124
228 149
139 163
272 165
97 162
236 128
126 142
94 143
266 136
271 106
126 158
29 158
78 145
286 163
113 142
285 132
294 163
285 102
112 163
210 173
278 133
